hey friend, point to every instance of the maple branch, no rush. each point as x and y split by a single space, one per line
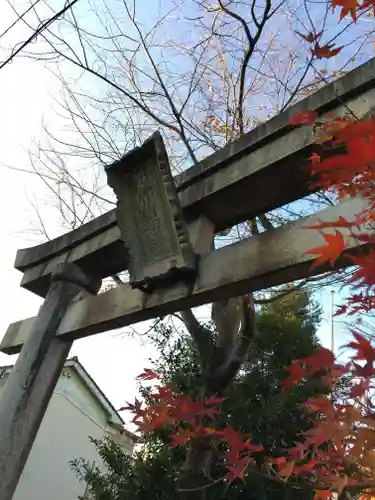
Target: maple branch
355 488
251 43
214 481
175 112
254 226
266 223
298 86
282 294
226 315
200 335
275 479
352 488
75 60
220 377
194 478
117 279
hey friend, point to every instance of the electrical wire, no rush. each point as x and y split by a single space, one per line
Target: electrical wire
37 32
19 18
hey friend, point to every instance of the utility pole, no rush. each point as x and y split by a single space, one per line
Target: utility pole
332 321
335 495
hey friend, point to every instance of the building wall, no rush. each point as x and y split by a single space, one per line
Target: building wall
72 416
73 388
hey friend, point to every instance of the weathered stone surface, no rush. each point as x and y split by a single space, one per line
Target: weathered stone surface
201 234
99 253
261 261
150 219
228 187
32 380
354 83
28 257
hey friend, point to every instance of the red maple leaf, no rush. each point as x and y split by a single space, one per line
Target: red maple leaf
348 7
279 461
364 348
296 374
185 408
310 37
157 415
307 467
213 400
303 118
364 238
323 495
251 447
325 51
134 408
298 452
360 149
363 371
315 159
210 412
182 437
238 445
238 469
326 430
360 303
336 171
341 310
286 469
331 251
365 274
233 437
164 393
348 130
320 405
358 390
148 374
322 359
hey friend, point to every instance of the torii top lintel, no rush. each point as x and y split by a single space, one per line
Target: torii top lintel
228 187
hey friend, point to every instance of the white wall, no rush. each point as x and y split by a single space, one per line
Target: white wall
73 388
62 437
72 416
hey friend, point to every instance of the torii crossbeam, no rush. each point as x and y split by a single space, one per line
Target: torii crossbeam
162 232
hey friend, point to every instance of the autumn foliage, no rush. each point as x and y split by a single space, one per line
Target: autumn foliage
341 444
338 452
193 419
349 174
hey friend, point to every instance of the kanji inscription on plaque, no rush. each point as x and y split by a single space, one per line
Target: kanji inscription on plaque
150 218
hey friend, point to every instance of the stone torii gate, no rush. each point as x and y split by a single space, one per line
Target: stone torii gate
162 232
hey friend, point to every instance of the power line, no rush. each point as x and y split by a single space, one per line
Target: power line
332 321
37 32
19 18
